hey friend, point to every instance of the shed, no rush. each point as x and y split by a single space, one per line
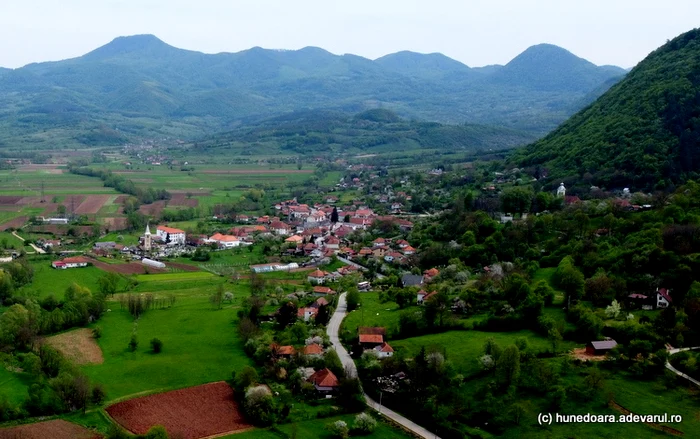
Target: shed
600 347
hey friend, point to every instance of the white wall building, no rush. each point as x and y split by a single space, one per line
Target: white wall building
176 236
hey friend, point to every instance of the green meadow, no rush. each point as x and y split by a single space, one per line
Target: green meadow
13 386
48 280
200 345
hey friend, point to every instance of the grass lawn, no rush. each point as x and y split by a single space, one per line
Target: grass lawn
317 429
462 348
121 238
173 277
48 280
546 274
10 241
373 313
200 345
13 386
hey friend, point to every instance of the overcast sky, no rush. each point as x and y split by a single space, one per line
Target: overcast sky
476 32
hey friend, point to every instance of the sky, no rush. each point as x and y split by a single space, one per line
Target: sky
475 32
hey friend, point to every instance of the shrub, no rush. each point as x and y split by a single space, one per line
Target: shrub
259 406
156 345
97 332
364 424
338 429
98 394
133 343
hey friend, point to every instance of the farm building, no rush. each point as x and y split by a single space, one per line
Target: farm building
74 262
171 235
152 263
267 268
600 347
317 277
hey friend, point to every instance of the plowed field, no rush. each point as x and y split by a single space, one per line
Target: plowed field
56 429
128 268
192 413
92 204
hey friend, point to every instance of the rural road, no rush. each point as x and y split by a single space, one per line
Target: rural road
36 249
673 369
333 329
356 265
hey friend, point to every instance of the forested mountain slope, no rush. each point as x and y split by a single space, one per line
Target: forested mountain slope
643 133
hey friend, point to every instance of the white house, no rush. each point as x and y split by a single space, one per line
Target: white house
384 350
225 241
176 236
317 277
75 262
663 299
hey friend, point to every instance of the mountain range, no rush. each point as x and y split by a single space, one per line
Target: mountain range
643 133
141 86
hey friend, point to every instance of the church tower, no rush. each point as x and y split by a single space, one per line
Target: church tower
147 239
561 192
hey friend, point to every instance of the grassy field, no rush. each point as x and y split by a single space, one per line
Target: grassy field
317 429
173 277
13 386
8 240
373 313
200 345
48 280
463 348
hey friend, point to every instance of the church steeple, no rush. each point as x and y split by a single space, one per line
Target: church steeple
147 239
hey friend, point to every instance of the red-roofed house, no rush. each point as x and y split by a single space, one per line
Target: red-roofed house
313 350
323 290
324 381
408 250
225 241
307 313
171 235
424 296
332 242
295 239
429 274
379 242
371 340
280 228
365 251
74 262
402 243
384 350
317 277
283 351
663 298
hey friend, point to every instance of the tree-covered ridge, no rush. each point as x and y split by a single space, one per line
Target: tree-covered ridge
375 130
644 132
143 86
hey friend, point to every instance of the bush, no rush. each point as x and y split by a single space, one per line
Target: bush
156 345
338 429
364 424
133 343
97 332
98 394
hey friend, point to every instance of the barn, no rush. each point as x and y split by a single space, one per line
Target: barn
601 347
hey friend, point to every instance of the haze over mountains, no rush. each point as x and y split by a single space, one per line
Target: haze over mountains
141 86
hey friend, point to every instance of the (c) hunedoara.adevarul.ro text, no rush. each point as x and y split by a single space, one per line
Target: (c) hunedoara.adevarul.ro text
558 418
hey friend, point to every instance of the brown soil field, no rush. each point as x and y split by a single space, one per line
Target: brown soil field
182 200
79 346
9 199
192 413
92 204
56 429
128 268
259 171
14 223
152 209
114 223
120 199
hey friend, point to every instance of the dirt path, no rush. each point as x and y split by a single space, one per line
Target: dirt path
36 249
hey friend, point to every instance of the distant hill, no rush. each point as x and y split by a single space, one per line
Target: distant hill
375 131
142 87
643 133
548 68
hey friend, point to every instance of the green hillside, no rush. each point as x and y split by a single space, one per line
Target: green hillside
643 133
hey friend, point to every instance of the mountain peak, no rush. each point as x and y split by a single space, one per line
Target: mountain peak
145 44
421 65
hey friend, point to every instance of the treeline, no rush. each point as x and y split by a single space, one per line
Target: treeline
121 184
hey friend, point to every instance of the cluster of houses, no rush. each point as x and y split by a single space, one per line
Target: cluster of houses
660 299
371 339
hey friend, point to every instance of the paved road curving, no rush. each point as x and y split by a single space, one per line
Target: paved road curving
672 351
333 329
